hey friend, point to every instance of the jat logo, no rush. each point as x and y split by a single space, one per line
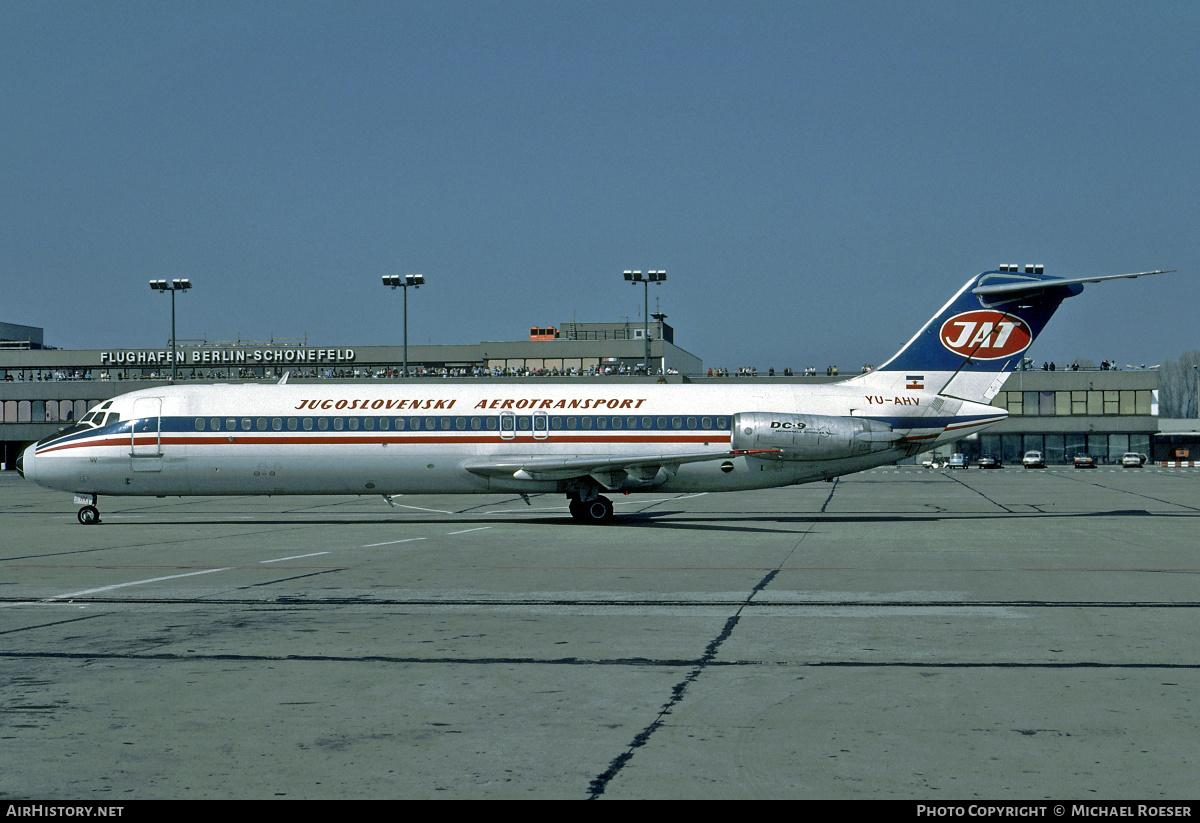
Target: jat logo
985 335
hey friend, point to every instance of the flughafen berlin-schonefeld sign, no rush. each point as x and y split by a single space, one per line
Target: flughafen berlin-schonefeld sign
220 356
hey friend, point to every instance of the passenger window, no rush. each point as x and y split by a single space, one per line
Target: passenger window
261 423
277 424
338 424
291 424
368 423
308 424
245 424
323 423
215 424
353 424
199 424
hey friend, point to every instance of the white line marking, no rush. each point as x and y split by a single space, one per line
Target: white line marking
134 583
464 531
296 557
392 542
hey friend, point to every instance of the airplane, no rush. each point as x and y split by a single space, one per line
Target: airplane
583 440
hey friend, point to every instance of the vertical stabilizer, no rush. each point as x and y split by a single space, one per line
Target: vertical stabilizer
969 347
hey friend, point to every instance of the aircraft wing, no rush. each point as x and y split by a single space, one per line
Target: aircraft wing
604 469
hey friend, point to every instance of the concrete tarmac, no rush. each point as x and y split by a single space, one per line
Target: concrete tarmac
903 633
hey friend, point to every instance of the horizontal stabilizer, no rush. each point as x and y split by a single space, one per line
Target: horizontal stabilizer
1019 286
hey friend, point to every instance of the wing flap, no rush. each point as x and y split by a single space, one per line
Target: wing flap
568 468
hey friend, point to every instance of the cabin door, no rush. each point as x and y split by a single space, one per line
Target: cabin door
145 444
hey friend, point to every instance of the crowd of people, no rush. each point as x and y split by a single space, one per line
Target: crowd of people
372 372
359 373
1075 365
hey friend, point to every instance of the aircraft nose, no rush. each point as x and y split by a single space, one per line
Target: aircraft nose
21 463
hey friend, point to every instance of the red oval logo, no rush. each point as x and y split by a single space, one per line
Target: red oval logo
984 334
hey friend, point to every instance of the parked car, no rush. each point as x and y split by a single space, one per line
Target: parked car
1133 460
990 461
1033 460
959 461
1085 461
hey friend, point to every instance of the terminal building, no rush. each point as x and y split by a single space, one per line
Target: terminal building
1103 413
43 388
1067 413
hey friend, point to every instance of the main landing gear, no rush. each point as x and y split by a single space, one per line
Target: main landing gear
597 510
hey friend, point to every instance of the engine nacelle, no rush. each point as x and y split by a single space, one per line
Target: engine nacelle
810 436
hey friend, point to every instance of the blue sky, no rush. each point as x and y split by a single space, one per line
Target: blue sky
816 178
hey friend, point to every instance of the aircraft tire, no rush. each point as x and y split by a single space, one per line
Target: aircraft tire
599 510
89 515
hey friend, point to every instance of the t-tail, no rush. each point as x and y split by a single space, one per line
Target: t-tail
955 365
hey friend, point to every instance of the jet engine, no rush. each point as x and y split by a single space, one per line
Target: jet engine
810 436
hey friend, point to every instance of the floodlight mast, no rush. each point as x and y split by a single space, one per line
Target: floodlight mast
656 277
178 284
395 281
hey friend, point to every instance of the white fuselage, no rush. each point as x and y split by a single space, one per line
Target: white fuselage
392 438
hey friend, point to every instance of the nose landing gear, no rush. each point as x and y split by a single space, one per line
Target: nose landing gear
89 515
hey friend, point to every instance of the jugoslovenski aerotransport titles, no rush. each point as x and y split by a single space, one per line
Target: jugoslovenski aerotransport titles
582 441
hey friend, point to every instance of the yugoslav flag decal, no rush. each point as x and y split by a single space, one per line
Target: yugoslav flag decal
984 334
